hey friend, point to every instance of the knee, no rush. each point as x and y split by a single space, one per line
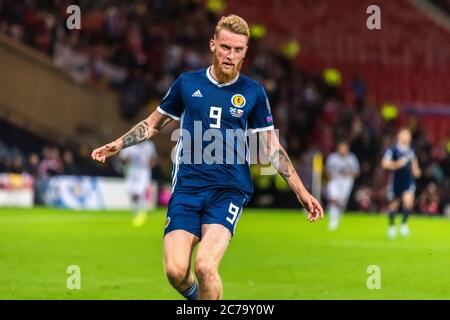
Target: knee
176 273
205 269
408 206
393 206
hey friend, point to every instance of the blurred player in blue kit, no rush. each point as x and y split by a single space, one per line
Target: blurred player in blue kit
401 161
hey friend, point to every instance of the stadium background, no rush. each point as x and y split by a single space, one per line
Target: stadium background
64 92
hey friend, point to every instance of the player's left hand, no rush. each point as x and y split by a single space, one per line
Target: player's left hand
311 205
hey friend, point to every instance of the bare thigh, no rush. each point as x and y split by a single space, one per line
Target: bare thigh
215 240
408 200
178 247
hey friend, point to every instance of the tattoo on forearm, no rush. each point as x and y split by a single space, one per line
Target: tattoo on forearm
139 133
111 148
282 163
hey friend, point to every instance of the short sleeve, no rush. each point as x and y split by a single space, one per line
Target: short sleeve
261 116
355 163
329 163
411 155
172 103
124 153
388 155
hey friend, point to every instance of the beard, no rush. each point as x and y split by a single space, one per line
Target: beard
225 75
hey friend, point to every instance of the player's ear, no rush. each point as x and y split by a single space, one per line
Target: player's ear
212 45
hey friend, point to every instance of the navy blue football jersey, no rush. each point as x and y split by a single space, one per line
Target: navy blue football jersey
212 150
401 178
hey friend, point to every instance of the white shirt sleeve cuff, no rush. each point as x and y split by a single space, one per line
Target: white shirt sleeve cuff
262 129
167 114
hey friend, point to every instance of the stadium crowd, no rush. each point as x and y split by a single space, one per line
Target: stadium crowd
47 164
138 48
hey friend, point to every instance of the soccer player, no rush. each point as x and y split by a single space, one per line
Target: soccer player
208 198
402 162
139 161
342 167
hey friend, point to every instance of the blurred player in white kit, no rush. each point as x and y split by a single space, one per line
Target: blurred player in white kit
139 160
342 167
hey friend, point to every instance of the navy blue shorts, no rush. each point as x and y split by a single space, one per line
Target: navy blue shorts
189 211
397 191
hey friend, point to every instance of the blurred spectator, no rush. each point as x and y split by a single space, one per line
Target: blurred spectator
17 165
429 200
69 166
364 199
51 163
32 167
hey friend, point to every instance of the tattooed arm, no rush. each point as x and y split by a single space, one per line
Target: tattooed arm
280 160
142 131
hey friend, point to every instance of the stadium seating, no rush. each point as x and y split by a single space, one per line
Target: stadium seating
394 62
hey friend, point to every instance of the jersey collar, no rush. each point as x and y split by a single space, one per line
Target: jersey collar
208 74
402 148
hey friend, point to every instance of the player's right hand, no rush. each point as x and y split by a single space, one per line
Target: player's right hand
106 151
312 206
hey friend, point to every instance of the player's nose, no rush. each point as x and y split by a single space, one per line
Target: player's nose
230 56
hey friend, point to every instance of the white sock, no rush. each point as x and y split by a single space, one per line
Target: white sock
134 207
141 204
334 217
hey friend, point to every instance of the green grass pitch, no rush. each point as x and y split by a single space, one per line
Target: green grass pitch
276 254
